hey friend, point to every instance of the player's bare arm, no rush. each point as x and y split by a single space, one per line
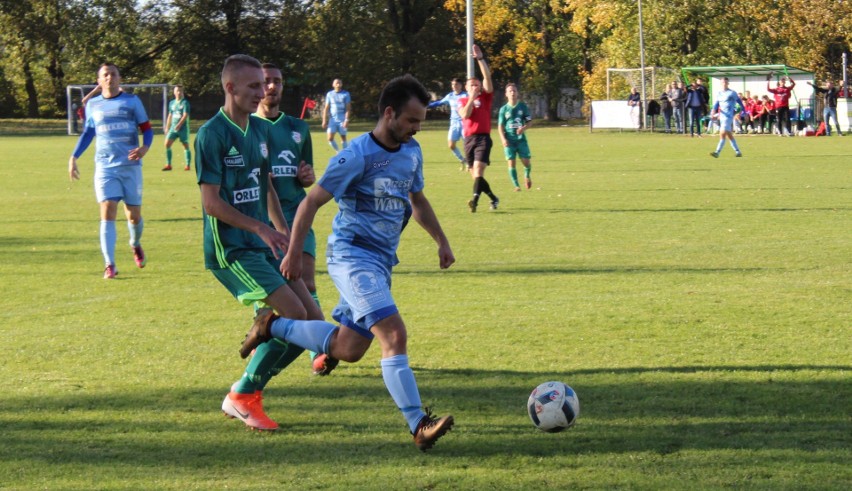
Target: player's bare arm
291 266
424 215
218 208
487 84
73 171
274 209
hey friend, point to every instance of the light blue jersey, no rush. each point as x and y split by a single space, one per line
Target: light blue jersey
337 102
116 122
726 103
451 100
370 185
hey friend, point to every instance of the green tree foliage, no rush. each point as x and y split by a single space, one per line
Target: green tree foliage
545 45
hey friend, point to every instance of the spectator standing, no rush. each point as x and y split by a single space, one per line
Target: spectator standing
829 94
667 110
695 102
678 98
782 103
634 100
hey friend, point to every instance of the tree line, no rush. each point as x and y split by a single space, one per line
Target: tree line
543 45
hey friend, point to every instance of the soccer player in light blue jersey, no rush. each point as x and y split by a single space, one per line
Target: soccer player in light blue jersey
335 113
455 132
116 118
378 184
725 109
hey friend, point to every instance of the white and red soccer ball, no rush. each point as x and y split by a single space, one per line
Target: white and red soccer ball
553 407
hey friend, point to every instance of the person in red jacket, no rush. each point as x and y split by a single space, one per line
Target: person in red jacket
782 103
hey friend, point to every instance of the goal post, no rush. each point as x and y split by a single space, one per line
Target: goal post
154 97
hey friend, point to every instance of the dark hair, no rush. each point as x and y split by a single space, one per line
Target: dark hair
399 91
108 63
270 66
458 80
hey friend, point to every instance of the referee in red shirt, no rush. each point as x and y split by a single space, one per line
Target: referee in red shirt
475 111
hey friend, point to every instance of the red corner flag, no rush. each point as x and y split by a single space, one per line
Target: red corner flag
309 104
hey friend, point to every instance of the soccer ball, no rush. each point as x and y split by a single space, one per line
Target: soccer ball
553 407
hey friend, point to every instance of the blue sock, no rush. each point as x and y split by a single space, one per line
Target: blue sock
458 155
734 145
399 379
135 232
720 145
311 335
345 144
108 241
334 145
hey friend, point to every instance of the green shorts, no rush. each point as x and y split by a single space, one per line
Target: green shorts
517 149
181 134
252 277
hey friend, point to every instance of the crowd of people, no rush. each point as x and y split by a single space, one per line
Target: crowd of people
684 108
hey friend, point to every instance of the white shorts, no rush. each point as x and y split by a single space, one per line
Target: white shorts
119 183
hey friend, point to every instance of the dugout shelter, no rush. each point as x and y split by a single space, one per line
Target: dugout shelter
752 78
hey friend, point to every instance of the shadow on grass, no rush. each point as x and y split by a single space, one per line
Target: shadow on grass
623 411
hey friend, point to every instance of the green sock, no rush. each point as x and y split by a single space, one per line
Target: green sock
168 156
527 171
513 175
264 359
188 156
292 352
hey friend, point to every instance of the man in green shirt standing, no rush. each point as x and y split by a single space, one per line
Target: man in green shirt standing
292 167
241 249
513 120
177 127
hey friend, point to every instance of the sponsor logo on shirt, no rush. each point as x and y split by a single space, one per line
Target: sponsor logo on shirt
286 156
234 158
246 195
383 191
297 137
284 170
379 165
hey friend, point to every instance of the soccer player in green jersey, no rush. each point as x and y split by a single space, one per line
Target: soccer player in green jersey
292 166
513 120
241 249
177 127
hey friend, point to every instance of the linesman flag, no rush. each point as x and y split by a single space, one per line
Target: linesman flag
309 104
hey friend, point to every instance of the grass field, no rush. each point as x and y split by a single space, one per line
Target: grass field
701 308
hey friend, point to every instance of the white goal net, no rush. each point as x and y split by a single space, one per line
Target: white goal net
620 80
154 97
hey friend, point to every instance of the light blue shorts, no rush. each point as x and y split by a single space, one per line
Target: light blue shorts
455 133
335 126
365 297
726 124
119 183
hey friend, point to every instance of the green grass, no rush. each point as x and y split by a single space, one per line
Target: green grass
699 307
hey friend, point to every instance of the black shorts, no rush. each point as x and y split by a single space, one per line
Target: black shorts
477 148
